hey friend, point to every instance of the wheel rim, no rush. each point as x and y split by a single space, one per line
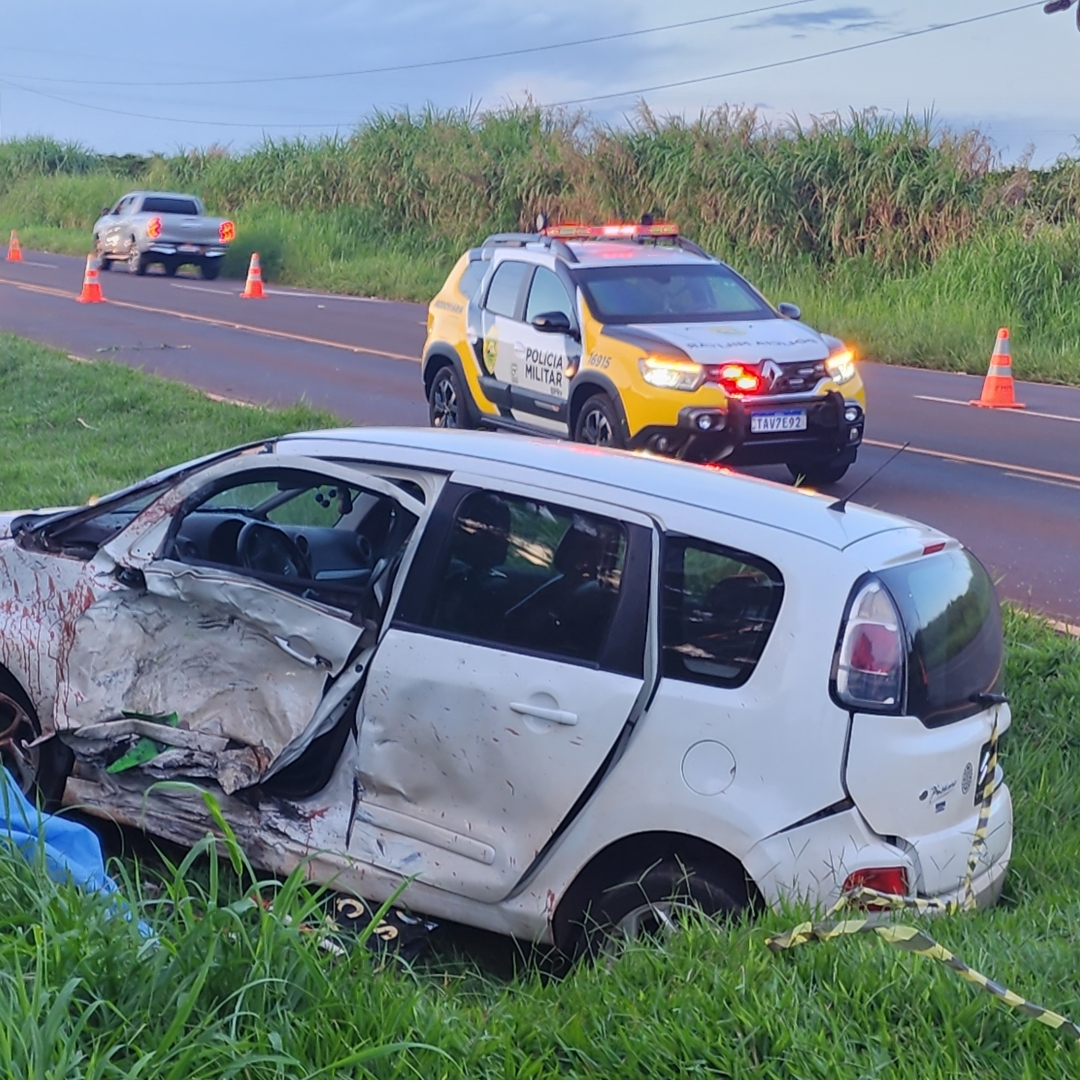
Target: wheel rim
133 259
649 918
444 403
17 728
596 429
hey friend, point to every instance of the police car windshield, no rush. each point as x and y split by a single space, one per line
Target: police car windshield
638 293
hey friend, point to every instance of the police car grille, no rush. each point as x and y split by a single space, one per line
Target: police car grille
798 378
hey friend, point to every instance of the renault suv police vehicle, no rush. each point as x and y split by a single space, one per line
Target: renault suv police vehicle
632 336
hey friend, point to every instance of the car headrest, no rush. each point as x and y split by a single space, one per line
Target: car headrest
586 548
482 533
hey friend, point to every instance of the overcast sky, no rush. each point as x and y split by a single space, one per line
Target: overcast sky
1016 76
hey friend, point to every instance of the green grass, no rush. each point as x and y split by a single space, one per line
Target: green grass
232 990
71 430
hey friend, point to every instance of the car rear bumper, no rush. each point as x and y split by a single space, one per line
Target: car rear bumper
811 863
186 250
833 426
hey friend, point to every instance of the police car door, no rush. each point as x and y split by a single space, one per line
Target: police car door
503 308
547 351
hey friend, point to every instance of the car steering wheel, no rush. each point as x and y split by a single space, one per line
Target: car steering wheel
270 550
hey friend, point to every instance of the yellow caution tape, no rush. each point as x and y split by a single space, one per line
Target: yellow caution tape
913 940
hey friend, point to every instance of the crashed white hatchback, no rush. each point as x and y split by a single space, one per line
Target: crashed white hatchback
546 686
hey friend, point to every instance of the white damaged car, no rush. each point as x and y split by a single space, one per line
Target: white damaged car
546 688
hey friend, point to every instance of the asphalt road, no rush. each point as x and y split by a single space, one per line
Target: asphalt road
1006 483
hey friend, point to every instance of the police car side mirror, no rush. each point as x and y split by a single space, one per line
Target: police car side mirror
789 311
552 322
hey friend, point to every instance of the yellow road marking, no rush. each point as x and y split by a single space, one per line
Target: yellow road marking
1015 412
226 324
1003 465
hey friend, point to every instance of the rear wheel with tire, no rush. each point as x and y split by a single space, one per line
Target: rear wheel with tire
136 261
209 269
40 771
651 904
819 473
598 423
447 404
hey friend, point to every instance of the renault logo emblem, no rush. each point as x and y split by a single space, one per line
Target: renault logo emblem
771 371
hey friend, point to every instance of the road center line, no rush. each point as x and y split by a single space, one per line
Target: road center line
226 324
1017 412
1004 466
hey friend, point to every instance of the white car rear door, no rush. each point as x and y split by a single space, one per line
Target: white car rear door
515 659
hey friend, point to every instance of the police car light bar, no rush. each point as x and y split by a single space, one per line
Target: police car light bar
608 232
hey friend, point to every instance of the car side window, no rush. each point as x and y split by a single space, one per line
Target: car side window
547 294
317 537
505 289
527 574
719 608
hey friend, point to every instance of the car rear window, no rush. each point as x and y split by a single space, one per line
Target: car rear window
471 278
720 606
953 623
162 204
703 292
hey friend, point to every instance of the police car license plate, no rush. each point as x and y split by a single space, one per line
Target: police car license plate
186 248
784 420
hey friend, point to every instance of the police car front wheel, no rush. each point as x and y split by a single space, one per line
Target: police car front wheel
447 407
598 423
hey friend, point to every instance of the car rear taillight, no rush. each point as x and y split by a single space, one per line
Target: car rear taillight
869 665
153 228
735 379
226 232
883 879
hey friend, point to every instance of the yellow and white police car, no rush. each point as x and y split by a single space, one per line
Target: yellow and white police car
632 336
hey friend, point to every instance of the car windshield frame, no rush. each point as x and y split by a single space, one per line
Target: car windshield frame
587 277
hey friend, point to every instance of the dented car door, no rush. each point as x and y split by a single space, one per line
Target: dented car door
241 607
514 662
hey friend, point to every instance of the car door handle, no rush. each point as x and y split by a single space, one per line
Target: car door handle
556 716
309 661
519 348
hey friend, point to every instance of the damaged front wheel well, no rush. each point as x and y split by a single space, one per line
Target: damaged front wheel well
44 770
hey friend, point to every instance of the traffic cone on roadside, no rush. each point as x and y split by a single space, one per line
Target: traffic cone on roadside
253 287
91 287
14 252
997 392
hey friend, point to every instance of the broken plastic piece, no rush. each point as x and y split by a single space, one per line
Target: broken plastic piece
145 749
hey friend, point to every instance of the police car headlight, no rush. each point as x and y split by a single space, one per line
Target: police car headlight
671 374
841 366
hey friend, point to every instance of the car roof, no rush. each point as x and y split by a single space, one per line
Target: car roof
586 253
164 194
627 476
605 252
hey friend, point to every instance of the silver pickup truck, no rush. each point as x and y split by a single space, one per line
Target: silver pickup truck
147 227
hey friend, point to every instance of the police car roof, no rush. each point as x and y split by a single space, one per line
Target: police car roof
605 252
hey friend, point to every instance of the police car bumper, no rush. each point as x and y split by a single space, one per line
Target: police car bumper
761 431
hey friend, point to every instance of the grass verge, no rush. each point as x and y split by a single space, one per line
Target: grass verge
234 991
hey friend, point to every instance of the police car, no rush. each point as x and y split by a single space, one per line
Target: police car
631 336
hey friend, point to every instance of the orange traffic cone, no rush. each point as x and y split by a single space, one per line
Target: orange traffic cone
91 287
997 390
14 252
253 289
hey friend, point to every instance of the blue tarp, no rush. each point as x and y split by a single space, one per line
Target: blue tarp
72 852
